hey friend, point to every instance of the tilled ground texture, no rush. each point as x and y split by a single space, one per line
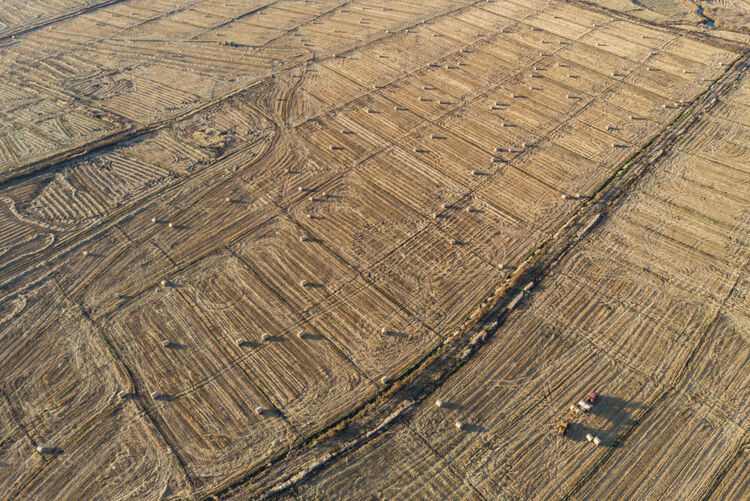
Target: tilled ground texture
233 235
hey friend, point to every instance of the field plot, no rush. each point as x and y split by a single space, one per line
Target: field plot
194 376
424 474
307 378
650 309
64 399
230 229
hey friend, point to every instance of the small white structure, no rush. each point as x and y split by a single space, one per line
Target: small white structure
384 380
459 425
303 283
589 437
309 216
438 403
171 225
165 343
597 441
434 215
469 210
240 342
155 394
453 241
444 205
85 253
43 450
300 188
259 410
303 238
227 199
153 219
474 172
300 334
122 394
164 283
116 295
265 336
384 331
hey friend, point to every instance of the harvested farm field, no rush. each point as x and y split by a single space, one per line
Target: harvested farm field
374 250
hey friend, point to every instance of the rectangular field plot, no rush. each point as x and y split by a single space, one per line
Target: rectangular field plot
418 96
422 474
625 314
542 96
434 280
151 100
138 461
445 151
640 103
569 30
60 389
330 87
485 130
566 170
353 322
363 69
660 246
614 122
720 373
111 266
595 57
410 179
357 218
579 79
606 39
486 230
193 356
534 206
196 375
300 273
679 439
597 146
510 400
59 373
520 111
215 425
244 33
373 114
338 143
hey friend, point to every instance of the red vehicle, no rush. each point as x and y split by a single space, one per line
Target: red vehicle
591 397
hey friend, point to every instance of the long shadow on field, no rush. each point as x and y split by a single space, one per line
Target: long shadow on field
617 413
165 397
276 339
397 334
451 406
312 337
473 428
